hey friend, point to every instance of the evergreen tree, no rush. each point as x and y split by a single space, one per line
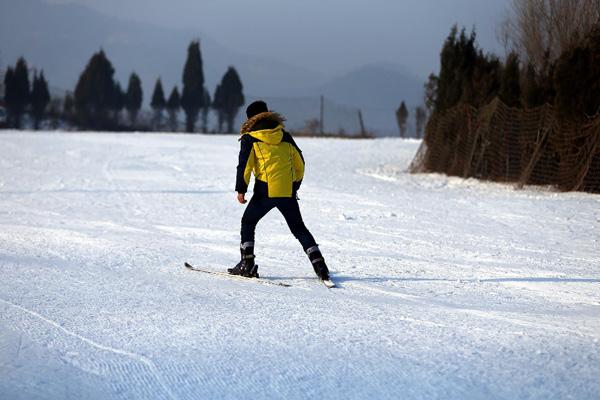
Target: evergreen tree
9 95
17 92
576 79
94 93
205 109
401 118
430 96
420 119
118 103
158 103
217 105
510 89
134 97
69 108
193 86
485 81
229 98
173 106
40 97
532 92
466 74
53 113
456 66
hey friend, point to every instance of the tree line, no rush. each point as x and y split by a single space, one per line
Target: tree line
98 101
402 115
553 57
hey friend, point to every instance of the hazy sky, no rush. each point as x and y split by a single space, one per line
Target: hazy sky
323 35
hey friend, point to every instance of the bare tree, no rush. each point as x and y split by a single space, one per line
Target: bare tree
311 126
540 30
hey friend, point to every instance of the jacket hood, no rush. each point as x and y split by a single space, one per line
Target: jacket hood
269 136
270 116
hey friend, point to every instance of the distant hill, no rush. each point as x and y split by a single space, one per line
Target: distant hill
61 39
377 89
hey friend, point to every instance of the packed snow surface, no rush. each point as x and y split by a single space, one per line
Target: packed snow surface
448 289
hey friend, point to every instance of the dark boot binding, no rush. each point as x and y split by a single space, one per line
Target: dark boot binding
318 262
246 266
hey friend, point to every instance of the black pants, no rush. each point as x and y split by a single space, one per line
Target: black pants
259 206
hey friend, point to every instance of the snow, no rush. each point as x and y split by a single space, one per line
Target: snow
449 289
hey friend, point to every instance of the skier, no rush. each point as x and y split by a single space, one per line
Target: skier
270 152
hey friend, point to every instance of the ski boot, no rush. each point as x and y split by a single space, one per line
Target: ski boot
246 266
318 262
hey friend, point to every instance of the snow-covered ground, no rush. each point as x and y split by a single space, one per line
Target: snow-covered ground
449 289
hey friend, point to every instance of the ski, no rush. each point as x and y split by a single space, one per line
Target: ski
225 274
328 283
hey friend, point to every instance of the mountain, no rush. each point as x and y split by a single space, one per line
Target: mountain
375 85
377 89
60 38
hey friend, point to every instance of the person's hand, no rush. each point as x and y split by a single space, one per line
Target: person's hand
241 197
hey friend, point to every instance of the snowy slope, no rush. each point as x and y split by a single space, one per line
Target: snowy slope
450 289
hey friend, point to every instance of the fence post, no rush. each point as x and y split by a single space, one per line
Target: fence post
322 114
588 162
363 132
467 169
534 158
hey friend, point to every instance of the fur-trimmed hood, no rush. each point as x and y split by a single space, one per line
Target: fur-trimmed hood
273 116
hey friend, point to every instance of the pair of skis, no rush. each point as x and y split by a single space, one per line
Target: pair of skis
328 283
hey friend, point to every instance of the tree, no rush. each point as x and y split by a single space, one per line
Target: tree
510 88
9 94
17 92
541 30
192 96
577 79
401 118
420 119
69 107
94 93
117 103
532 95
218 106
456 68
134 97
311 126
485 81
430 95
205 110
40 97
229 98
466 74
158 103
53 113
173 106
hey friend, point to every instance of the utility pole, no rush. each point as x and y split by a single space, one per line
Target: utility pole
363 132
322 114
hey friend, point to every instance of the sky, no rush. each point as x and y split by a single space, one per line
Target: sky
328 36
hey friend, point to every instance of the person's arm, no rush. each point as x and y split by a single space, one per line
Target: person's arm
297 163
244 168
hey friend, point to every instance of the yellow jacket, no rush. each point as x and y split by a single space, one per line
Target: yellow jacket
269 152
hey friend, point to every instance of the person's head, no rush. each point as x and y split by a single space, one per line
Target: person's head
255 108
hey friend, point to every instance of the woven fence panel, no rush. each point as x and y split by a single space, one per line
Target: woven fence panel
505 144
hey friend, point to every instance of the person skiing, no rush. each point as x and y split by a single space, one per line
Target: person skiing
272 155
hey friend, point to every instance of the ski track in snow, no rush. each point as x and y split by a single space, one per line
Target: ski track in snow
135 357
448 288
